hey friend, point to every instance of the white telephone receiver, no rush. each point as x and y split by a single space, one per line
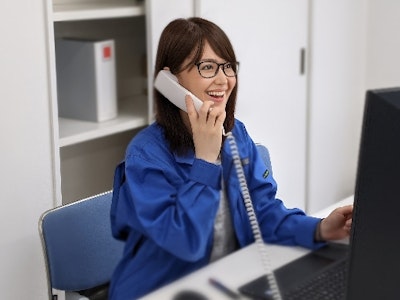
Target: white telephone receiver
167 84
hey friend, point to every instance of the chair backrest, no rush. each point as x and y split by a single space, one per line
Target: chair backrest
263 150
79 249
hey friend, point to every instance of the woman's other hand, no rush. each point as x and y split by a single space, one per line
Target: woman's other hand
337 225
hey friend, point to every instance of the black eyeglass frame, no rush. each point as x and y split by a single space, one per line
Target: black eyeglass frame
235 64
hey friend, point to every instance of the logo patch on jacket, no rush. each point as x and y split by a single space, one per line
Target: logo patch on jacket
266 173
245 161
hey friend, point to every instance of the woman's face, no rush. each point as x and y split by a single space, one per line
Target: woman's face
216 89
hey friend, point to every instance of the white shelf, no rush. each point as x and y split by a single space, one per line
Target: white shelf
132 114
97 10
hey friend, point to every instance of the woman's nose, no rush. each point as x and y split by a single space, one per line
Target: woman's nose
221 77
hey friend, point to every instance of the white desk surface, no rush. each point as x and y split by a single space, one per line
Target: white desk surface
237 268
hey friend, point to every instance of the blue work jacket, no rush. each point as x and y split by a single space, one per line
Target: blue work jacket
164 206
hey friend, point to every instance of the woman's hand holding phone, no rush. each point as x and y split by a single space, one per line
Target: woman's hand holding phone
206 124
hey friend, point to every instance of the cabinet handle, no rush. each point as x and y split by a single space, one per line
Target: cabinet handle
302 61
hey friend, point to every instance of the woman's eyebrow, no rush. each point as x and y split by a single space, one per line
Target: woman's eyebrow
211 60
208 59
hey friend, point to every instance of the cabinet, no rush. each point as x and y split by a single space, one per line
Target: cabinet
272 95
86 153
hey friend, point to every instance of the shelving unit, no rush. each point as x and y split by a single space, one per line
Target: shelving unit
97 10
90 150
131 115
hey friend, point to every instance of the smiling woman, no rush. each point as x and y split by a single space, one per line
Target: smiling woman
182 45
177 201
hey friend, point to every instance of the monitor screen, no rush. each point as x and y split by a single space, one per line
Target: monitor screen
375 252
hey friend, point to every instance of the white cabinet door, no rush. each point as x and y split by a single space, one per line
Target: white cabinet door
268 36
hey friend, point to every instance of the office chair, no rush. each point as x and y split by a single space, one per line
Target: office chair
79 249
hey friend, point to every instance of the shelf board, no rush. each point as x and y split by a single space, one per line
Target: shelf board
97 10
132 114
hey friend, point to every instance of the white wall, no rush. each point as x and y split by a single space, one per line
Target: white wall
336 91
383 47
355 47
26 171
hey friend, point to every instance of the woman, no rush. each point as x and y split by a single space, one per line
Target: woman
177 200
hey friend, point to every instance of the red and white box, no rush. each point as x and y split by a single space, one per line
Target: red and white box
86 79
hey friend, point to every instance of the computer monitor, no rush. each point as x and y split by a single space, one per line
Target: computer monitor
375 253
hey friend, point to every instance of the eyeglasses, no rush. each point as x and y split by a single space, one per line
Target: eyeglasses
209 69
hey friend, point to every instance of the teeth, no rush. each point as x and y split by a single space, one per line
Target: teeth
217 94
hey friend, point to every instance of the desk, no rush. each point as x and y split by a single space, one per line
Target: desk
237 268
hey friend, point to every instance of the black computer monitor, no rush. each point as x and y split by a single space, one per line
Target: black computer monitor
375 253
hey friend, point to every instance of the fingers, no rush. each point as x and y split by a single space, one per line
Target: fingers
207 114
337 224
215 117
347 226
206 111
191 110
345 210
344 213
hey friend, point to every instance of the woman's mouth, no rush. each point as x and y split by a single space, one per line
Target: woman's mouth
218 96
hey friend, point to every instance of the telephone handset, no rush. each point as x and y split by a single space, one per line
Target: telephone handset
167 84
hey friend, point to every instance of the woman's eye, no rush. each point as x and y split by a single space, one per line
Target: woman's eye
207 67
228 66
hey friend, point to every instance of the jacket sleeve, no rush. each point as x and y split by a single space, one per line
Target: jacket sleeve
174 206
278 223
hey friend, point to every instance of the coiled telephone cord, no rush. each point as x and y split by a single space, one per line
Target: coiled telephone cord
255 227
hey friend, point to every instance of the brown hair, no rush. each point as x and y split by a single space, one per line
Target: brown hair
183 38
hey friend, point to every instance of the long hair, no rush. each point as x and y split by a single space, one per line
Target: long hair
183 38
